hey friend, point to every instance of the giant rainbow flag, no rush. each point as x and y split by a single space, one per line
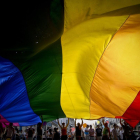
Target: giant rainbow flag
71 58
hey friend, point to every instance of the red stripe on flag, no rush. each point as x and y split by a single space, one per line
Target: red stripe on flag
132 114
133 111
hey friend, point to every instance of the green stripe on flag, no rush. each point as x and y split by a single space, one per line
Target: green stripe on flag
42 74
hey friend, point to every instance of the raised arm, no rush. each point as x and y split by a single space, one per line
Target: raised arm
68 123
42 120
121 122
82 123
103 121
59 123
93 126
75 123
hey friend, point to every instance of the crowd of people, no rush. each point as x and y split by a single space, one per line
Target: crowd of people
91 132
11 133
121 132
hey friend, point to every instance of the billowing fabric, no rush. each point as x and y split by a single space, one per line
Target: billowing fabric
14 101
76 59
101 71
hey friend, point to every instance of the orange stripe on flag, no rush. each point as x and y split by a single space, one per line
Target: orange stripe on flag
117 78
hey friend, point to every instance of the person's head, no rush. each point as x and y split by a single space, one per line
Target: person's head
55 129
87 126
97 126
121 128
106 125
90 126
63 124
78 124
115 126
39 125
11 124
50 130
30 126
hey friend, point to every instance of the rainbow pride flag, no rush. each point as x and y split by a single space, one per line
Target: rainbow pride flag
71 58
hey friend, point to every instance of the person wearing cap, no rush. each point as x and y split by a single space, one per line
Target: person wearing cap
63 130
